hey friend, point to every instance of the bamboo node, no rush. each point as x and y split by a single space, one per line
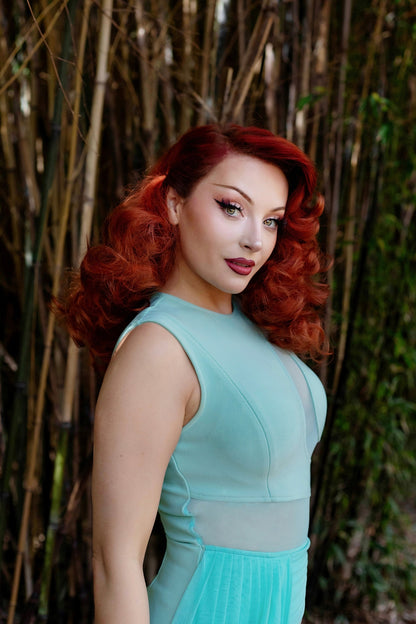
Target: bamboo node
31 486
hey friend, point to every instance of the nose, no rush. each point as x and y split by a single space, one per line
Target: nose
251 237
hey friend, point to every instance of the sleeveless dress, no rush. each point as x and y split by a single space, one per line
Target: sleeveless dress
235 498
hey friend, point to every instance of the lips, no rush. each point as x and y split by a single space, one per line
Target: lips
242 266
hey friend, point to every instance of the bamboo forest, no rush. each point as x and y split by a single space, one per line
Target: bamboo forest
91 93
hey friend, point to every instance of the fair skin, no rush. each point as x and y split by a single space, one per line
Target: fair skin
227 230
233 213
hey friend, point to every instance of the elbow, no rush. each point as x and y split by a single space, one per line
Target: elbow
119 589
108 567
101 571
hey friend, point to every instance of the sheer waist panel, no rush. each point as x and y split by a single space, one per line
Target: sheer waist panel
264 527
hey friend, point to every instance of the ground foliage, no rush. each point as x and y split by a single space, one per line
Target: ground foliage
339 79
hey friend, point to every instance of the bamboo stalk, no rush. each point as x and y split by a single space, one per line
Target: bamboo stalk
352 199
30 483
153 65
87 213
331 242
338 157
41 41
206 60
305 74
187 65
51 43
28 569
93 139
24 35
117 59
25 154
217 27
294 83
147 80
241 30
72 359
29 290
167 91
233 105
10 161
346 323
272 62
11 177
57 484
320 109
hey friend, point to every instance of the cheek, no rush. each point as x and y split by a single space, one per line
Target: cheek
190 230
196 240
207 232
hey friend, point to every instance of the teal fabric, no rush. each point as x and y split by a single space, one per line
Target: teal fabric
246 444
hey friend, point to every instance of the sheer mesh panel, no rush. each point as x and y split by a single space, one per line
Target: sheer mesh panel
264 527
312 433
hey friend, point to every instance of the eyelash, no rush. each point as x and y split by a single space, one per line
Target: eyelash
276 222
227 205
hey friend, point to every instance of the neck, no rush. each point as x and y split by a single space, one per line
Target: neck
209 298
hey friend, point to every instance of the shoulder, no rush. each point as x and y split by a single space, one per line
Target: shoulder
150 362
152 346
148 340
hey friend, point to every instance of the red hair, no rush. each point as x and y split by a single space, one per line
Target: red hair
118 277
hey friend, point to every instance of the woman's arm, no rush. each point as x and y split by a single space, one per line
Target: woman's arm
146 392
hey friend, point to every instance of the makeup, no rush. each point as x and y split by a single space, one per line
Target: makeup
240 265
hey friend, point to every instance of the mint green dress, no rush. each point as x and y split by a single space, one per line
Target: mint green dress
235 498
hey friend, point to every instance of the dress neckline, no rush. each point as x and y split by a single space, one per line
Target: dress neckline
184 302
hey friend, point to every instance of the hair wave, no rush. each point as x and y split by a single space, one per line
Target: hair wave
117 277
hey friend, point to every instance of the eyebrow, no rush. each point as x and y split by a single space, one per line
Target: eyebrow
247 197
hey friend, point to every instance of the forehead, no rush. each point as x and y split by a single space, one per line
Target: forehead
249 174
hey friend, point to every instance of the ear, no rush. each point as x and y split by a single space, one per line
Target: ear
174 204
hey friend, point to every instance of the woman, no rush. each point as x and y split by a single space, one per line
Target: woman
205 411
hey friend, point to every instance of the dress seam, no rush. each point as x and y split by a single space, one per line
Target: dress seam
185 509
237 389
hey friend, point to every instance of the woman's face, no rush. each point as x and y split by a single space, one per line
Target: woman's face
227 229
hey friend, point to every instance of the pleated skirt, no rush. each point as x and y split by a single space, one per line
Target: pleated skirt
235 587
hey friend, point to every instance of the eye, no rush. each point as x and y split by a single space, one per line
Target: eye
271 223
228 207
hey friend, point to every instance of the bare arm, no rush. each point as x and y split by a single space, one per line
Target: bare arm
140 413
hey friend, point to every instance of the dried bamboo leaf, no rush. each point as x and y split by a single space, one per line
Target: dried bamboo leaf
25 33
41 41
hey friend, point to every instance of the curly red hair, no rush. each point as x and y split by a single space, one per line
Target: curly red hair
118 277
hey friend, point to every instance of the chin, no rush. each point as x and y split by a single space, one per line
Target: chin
237 290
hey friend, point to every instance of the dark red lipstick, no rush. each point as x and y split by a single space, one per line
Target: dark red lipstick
242 266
